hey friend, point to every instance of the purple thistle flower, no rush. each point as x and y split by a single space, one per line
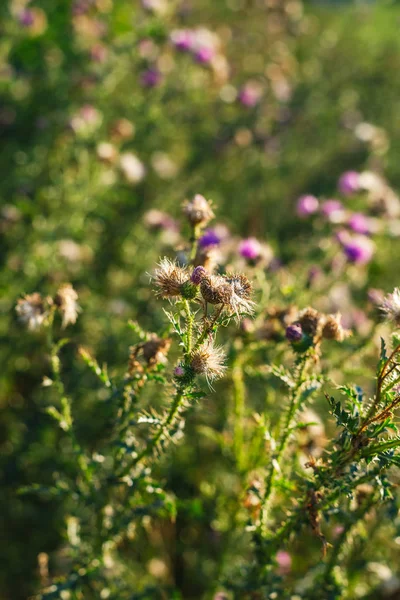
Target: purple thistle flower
307 205
359 223
182 39
209 238
359 249
349 183
150 78
26 18
333 210
294 332
204 54
250 95
179 371
197 275
250 248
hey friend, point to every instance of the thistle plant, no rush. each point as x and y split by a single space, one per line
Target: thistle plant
298 480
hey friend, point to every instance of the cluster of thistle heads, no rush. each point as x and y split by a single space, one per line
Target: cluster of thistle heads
229 295
311 327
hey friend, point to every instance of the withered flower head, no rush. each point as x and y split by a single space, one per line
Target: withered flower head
31 310
391 306
156 349
232 291
332 328
208 360
169 279
216 290
309 320
66 300
198 210
240 300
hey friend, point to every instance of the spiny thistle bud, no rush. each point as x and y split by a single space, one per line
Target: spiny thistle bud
189 290
309 320
391 306
179 371
31 311
197 275
198 211
294 333
208 360
66 300
184 374
300 340
332 328
169 279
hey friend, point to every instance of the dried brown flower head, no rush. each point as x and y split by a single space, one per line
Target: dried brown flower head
66 300
31 310
332 328
198 210
153 351
208 360
233 291
169 279
156 349
240 300
216 290
310 320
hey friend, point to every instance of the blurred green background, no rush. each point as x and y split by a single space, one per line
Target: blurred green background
102 118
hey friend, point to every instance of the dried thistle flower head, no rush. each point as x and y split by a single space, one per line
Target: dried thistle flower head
31 311
215 290
169 279
240 300
66 300
198 210
391 306
155 350
332 328
208 360
310 320
233 291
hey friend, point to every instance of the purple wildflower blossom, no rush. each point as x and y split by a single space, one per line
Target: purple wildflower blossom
294 332
209 238
349 183
307 205
250 248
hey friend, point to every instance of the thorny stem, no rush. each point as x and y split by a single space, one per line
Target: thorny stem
341 540
239 391
152 444
65 403
285 428
189 327
208 329
381 378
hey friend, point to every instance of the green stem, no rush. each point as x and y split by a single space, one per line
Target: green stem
189 327
286 427
152 444
64 401
194 243
239 395
334 557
